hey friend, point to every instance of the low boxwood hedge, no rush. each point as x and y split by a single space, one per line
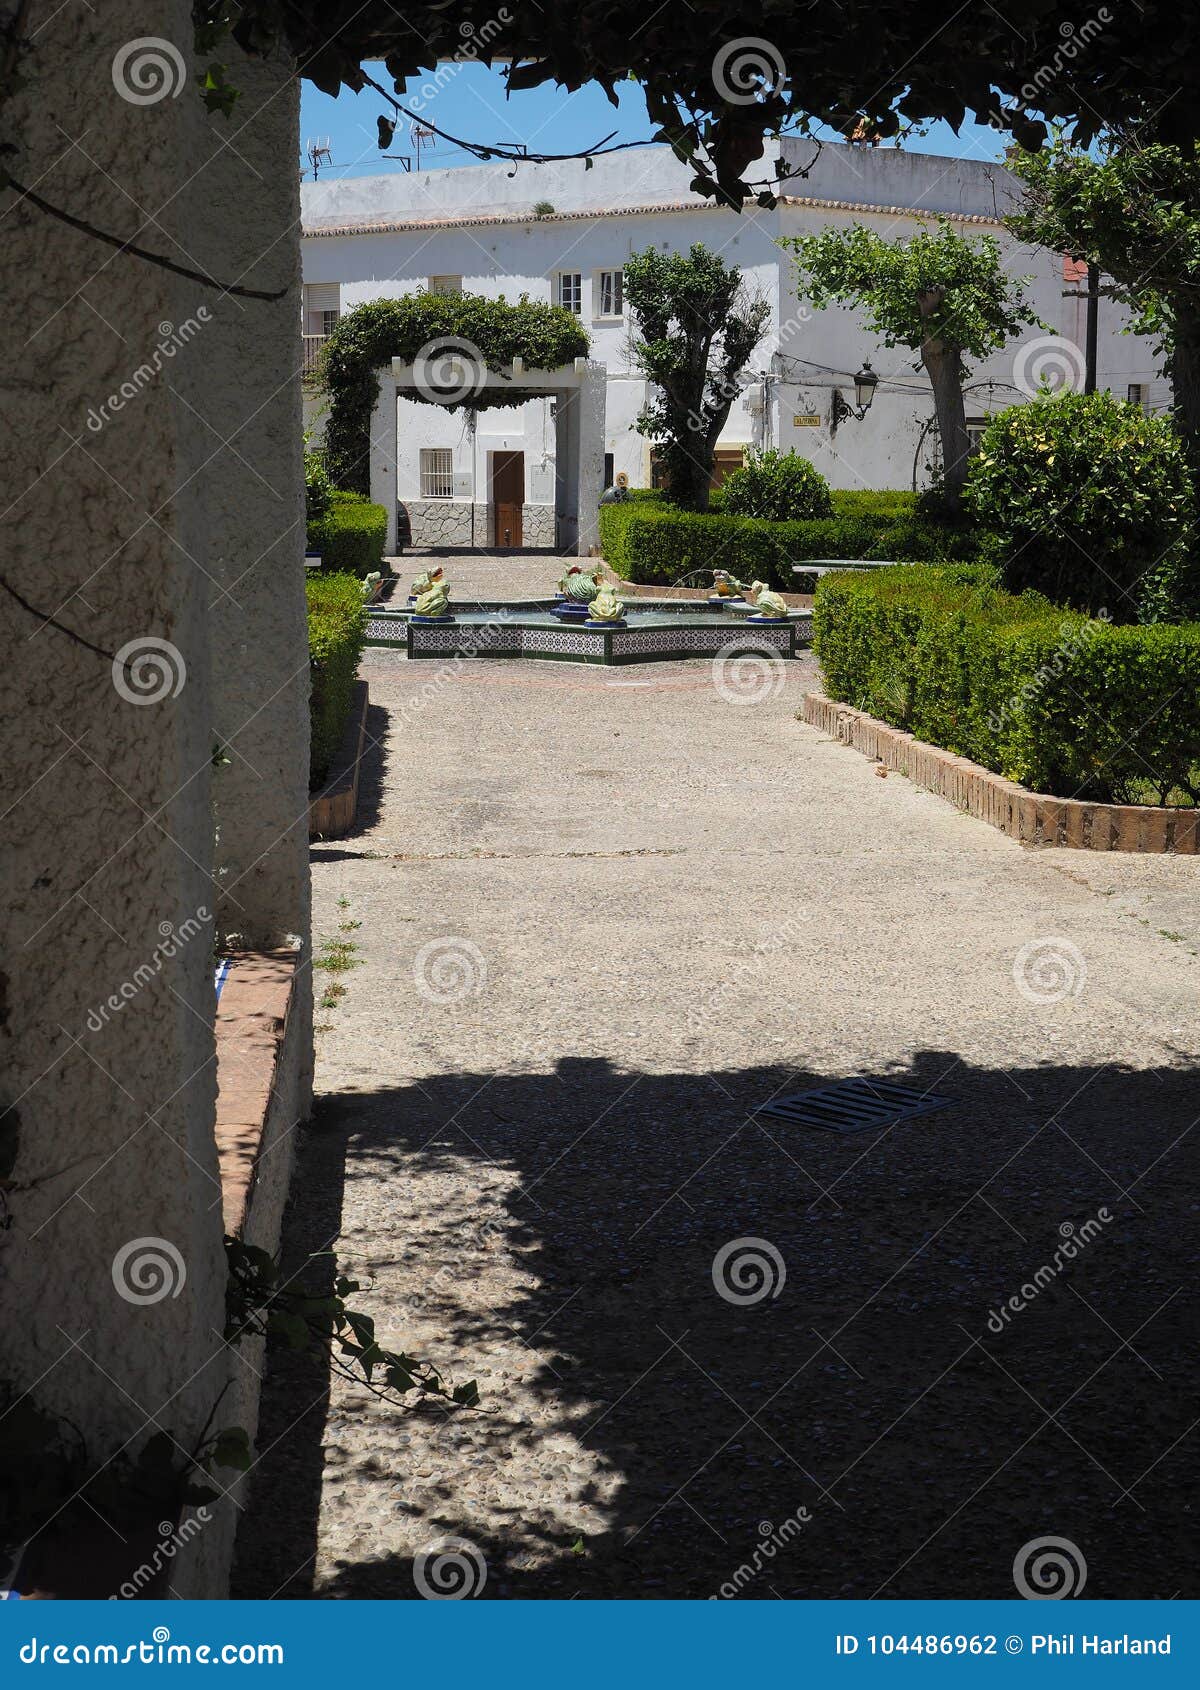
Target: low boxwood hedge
350 536
337 621
648 540
1059 701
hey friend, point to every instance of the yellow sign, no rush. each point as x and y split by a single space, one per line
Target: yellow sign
806 422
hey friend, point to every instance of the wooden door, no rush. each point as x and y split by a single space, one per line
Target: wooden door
508 497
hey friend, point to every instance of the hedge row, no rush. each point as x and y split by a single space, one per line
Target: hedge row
1061 702
337 622
350 536
649 541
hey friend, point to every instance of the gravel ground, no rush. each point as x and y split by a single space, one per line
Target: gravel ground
605 916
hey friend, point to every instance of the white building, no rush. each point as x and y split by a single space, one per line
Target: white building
562 233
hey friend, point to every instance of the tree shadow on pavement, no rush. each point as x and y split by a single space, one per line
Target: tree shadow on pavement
862 1418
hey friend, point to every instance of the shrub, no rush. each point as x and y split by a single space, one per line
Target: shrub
873 501
780 486
351 537
317 488
658 544
337 621
1088 500
1062 702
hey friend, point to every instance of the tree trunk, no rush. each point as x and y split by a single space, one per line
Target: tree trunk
943 364
1184 370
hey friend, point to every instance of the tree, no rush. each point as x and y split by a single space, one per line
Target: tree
942 294
696 327
1133 210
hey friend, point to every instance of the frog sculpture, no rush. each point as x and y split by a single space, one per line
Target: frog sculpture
727 586
432 598
768 605
580 586
606 607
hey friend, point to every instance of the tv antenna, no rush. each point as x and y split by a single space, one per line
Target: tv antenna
319 151
421 133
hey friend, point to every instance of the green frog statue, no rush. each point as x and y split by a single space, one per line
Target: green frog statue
432 597
768 604
580 586
606 606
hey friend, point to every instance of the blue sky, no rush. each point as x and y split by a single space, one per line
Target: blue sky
470 101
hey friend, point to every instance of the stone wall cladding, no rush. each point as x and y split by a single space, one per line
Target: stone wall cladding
447 522
1032 818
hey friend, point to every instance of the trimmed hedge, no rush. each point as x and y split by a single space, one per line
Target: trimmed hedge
337 624
650 541
1049 697
351 535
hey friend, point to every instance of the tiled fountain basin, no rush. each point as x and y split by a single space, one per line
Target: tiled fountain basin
649 633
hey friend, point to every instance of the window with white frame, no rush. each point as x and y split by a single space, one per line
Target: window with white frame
1138 393
976 427
608 295
437 472
445 284
329 320
568 291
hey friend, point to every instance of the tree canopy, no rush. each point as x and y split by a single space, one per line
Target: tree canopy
944 294
714 90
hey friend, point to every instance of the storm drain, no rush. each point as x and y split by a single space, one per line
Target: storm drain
854 1106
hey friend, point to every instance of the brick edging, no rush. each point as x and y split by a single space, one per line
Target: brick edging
1033 818
331 811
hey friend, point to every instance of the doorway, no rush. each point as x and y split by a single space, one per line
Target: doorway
508 498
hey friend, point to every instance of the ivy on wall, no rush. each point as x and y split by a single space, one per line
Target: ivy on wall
452 341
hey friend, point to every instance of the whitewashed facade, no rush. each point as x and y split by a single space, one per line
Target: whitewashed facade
486 231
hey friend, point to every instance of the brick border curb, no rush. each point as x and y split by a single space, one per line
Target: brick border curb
1032 818
331 811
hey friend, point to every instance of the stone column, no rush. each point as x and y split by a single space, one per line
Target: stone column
579 460
383 456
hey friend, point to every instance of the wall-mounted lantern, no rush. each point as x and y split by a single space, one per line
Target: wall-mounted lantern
865 383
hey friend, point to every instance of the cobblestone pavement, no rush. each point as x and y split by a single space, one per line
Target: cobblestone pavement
603 918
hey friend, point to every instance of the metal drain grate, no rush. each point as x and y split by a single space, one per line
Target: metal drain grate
854 1106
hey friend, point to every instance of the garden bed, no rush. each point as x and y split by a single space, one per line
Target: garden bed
331 811
1033 818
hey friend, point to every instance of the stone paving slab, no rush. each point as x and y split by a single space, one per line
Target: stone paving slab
603 920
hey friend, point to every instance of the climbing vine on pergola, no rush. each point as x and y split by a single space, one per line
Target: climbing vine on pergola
420 329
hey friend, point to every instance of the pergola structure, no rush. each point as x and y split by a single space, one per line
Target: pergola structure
578 389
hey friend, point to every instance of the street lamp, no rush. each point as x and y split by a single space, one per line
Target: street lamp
865 383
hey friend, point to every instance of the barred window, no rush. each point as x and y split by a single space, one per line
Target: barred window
570 290
437 472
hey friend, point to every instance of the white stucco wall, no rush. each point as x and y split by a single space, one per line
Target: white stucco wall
478 223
